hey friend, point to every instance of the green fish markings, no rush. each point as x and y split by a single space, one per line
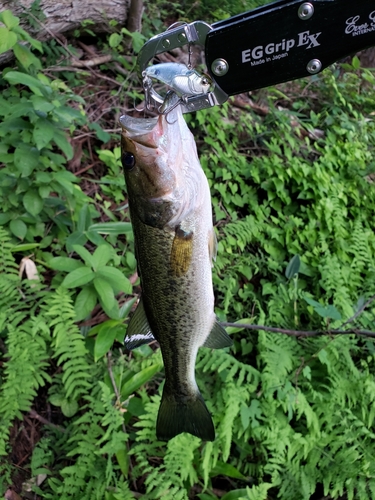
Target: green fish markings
175 244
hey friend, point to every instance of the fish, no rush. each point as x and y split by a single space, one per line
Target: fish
175 244
184 81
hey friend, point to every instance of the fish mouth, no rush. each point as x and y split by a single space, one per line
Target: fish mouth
136 126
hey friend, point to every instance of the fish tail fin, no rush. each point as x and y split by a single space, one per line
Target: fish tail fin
187 415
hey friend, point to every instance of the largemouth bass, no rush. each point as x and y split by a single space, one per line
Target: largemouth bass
170 210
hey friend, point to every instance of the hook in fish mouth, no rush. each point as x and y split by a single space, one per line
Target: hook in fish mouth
171 101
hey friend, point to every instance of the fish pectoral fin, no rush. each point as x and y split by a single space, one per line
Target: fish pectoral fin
139 330
182 251
218 338
188 415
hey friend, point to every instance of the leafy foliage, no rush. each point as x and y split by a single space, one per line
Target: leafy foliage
293 199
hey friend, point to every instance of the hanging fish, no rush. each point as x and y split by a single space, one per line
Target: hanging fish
170 209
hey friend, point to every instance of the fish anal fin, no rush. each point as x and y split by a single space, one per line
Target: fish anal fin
139 330
189 415
218 338
181 253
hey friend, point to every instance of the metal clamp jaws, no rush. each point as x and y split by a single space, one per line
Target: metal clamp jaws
195 32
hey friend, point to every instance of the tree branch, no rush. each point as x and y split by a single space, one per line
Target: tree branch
312 333
300 333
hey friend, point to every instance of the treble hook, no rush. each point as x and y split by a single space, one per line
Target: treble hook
166 107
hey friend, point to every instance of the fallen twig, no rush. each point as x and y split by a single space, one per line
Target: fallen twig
300 333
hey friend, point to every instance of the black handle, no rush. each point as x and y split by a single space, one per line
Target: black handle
286 40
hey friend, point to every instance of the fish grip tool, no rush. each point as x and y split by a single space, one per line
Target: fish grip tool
174 37
278 42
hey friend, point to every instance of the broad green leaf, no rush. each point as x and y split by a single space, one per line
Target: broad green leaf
139 379
18 228
356 62
69 408
41 104
43 133
76 238
136 406
100 133
78 277
33 202
4 218
56 399
85 302
293 267
240 494
9 19
332 313
25 57
85 255
26 159
126 307
112 228
114 40
233 329
329 311
102 255
122 458
106 336
84 216
223 469
61 139
95 238
115 278
64 264
36 44
24 247
106 296
7 39
16 77
107 324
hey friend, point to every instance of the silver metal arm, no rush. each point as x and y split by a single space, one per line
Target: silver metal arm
174 37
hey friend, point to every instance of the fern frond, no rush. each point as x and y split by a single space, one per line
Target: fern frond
25 370
7 263
68 344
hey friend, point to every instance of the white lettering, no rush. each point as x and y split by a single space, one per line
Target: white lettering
280 56
351 24
255 63
358 29
290 44
257 52
270 48
305 38
314 40
246 56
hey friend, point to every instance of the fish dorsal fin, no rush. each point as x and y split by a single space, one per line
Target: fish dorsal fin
139 330
212 245
218 338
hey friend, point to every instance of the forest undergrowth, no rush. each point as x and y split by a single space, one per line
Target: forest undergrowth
291 170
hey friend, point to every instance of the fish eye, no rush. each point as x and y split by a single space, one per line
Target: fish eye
128 160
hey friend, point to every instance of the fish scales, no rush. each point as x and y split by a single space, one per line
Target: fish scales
170 210
174 304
